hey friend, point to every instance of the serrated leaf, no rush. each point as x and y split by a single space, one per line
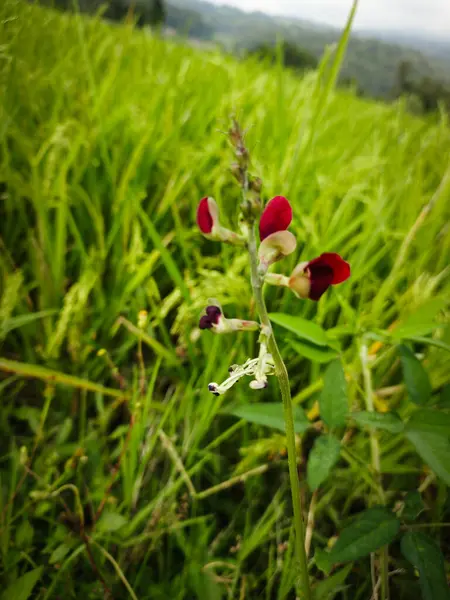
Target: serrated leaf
434 449
22 588
413 506
416 378
322 458
59 553
329 587
304 329
371 530
270 414
319 354
424 554
333 400
111 521
386 421
429 421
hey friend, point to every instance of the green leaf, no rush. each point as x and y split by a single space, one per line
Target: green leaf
319 354
329 587
424 554
24 535
270 414
434 450
372 529
21 320
111 521
59 553
333 401
413 506
429 421
430 342
387 421
422 321
22 588
304 329
322 458
415 376
444 397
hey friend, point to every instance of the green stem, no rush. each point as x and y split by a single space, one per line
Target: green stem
376 464
283 380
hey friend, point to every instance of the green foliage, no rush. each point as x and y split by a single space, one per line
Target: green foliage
108 138
416 378
386 421
22 588
304 329
412 506
371 63
291 55
333 401
370 530
314 352
270 414
434 449
323 457
424 554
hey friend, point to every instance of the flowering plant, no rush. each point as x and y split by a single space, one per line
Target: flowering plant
310 279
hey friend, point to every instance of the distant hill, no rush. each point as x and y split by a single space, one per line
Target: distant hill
372 62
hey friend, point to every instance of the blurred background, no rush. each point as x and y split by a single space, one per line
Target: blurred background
121 476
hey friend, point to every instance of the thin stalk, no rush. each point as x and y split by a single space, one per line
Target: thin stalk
376 465
283 381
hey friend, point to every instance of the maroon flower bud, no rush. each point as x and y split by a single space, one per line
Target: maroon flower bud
215 320
277 216
213 314
313 278
209 224
206 215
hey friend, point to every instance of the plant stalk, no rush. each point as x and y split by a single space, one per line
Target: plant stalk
376 465
283 380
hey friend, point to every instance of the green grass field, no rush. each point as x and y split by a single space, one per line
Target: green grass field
121 475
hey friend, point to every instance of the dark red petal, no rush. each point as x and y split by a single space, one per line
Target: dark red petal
320 277
277 216
204 219
341 268
205 322
213 313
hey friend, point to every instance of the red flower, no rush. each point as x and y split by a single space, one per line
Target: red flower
312 279
277 216
204 217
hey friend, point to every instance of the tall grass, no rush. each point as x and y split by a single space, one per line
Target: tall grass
108 138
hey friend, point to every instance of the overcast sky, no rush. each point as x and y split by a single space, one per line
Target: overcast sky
419 16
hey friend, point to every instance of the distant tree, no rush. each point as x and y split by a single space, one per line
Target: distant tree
293 56
157 12
187 22
430 92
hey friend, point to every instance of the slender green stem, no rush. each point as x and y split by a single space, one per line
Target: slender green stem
376 465
283 380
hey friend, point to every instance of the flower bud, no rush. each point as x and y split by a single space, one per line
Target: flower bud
256 184
277 216
209 224
275 247
215 320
